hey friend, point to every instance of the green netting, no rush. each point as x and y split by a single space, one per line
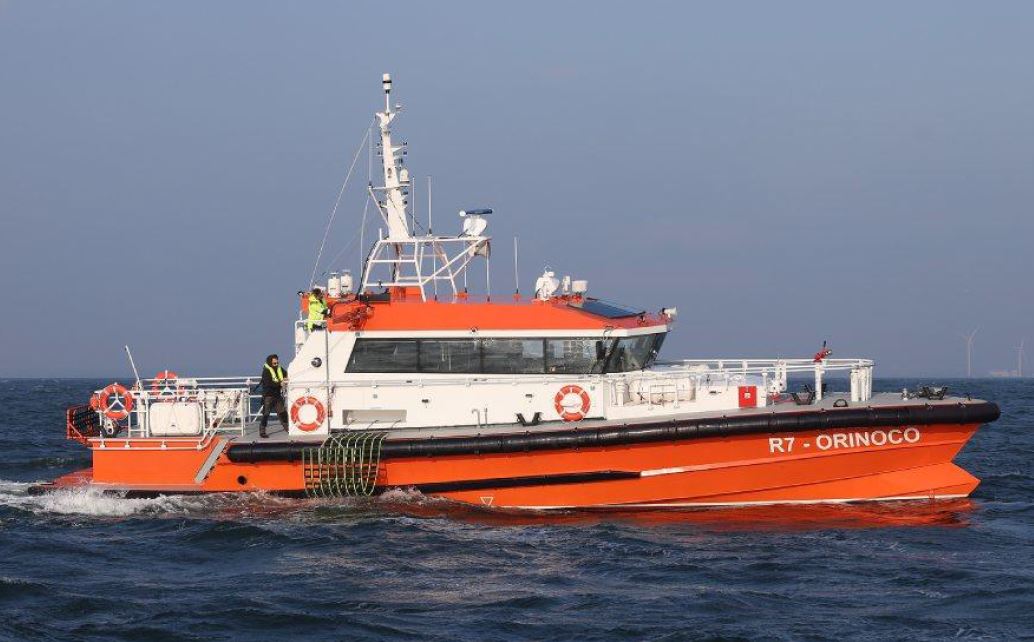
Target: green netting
344 465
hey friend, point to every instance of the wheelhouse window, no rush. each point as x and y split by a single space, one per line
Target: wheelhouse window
384 355
513 356
635 353
576 356
450 355
569 355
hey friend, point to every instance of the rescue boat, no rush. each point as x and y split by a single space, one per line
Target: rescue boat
555 400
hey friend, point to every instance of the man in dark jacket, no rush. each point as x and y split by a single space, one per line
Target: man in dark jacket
273 377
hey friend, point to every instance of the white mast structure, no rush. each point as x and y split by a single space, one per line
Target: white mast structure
401 258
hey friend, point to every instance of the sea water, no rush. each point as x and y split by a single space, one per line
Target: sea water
79 565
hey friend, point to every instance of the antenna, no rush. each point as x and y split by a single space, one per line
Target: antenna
132 364
516 272
430 225
413 204
430 232
369 196
969 351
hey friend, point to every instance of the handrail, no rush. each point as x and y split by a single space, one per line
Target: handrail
685 367
790 364
769 375
218 397
731 364
658 370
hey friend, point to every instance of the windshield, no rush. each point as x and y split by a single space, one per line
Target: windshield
635 353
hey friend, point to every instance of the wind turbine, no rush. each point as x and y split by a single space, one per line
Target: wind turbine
1019 359
969 351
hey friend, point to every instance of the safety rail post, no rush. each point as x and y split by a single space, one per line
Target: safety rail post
244 409
140 413
819 368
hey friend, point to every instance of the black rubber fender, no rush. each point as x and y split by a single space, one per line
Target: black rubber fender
570 438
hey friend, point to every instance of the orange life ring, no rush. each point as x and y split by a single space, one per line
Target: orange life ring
164 383
308 426
118 408
572 395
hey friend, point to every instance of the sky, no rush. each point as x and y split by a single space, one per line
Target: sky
783 173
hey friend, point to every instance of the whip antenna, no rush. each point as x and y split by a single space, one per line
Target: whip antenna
516 273
132 364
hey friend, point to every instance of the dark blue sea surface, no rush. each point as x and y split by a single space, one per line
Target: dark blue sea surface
78 565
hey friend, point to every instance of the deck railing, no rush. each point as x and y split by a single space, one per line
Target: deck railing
777 371
227 404
774 371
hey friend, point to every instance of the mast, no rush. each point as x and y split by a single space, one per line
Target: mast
402 259
396 177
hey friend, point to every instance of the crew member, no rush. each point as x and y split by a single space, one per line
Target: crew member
318 310
273 377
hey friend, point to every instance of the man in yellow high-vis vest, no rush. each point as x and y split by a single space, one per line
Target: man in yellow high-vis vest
318 310
273 379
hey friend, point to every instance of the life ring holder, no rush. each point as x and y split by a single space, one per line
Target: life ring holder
117 409
308 400
583 407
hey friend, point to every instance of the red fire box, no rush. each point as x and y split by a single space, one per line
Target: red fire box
748 396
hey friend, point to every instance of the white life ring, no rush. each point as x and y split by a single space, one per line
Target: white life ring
572 403
308 413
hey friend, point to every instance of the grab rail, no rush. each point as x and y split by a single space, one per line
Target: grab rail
227 403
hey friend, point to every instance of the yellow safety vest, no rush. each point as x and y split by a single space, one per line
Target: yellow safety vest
278 374
316 309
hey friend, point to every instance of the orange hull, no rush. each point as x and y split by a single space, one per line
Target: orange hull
801 467
708 472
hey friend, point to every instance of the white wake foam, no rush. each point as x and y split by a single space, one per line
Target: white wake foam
94 502
404 496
